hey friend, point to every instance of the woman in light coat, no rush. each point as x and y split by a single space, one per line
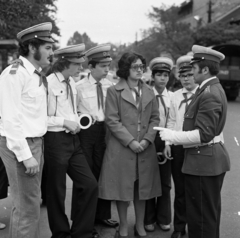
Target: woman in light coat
130 167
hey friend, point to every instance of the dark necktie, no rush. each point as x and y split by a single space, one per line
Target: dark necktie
42 79
100 95
69 89
185 100
163 103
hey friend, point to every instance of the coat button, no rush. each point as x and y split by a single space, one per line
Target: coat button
198 152
61 91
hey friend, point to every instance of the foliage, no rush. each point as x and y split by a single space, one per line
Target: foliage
16 15
77 38
217 33
167 36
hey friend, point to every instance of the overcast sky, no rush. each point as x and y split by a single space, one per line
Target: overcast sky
115 21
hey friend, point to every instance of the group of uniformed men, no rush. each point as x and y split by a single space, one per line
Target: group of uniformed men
32 106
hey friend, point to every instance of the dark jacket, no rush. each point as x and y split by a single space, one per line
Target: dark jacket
207 112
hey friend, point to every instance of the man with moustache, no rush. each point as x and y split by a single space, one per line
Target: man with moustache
206 159
63 151
158 210
91 100
23 111
179 102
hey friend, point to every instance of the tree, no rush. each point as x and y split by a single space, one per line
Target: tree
217 33
16 15
170 35
77 38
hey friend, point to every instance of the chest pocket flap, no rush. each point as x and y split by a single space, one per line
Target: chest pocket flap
89 94
189 115
58 92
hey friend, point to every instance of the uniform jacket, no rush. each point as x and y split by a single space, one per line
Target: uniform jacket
207 112
119 166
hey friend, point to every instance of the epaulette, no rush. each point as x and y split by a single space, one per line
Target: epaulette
15 65
207 89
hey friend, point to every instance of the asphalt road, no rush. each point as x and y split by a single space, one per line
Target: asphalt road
230 221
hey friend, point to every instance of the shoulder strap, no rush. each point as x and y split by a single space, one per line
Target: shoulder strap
15 65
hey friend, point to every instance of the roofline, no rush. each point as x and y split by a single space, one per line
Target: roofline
226 14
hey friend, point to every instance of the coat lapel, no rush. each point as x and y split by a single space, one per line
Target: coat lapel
126 92
147 96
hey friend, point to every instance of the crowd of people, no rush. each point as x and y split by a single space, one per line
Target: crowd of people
121 156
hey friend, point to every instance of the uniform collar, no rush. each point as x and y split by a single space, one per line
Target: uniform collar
205 81
93 80
60 76
164 93
184 90
29 66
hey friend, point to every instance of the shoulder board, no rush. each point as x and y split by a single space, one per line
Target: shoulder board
15 65
207 89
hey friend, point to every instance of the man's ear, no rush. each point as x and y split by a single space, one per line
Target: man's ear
90 67
32 48
205 70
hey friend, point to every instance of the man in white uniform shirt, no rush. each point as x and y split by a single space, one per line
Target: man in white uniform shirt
92 92
179 102
63 152
158 210
23 112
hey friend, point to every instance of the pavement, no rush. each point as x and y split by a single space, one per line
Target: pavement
230 219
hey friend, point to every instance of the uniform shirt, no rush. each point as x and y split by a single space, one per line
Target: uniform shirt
60 106
167 98
23 108
176 114
87 101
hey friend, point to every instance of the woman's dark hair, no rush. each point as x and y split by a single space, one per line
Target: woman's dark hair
125 62
213 67
58 66
23 46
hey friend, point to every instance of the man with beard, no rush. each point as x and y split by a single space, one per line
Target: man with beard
179 102
63 152
206 159
23 112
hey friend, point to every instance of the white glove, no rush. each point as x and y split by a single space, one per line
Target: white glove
179 137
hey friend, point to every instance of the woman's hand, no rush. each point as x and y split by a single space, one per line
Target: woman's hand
144 143
136 147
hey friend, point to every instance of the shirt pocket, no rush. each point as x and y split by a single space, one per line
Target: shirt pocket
35 95
89 94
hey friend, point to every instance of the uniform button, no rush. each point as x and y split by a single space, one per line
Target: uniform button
61 91
198 152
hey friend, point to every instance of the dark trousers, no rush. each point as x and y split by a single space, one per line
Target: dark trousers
180 219
63 156
203 205
93 144
159 209
3 181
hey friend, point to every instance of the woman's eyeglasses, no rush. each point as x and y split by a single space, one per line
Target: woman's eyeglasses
136 67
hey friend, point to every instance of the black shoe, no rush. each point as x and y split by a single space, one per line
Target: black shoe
95 234
108 222
178 234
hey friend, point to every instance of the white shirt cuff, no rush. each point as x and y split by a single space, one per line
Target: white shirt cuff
23 154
